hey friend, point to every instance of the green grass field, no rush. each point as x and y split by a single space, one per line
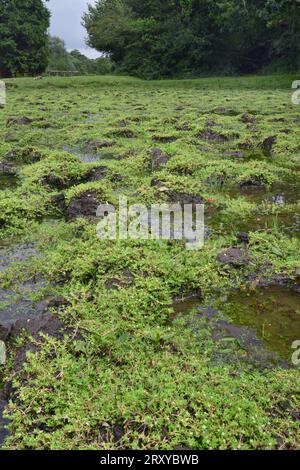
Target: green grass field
129 371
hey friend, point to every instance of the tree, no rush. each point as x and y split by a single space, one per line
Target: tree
23 37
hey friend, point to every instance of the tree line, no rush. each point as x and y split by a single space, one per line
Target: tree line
157 38
167 38
61 59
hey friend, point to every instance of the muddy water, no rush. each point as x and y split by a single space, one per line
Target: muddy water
83 156
264 320
280 193
289 223
8 182
15 302
89 157
274 312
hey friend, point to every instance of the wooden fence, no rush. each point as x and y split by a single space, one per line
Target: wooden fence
63 73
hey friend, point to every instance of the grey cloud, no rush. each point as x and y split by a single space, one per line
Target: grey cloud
66 23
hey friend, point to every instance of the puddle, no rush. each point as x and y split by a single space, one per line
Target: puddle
274 313
287 222
84 157
16 253
279 193
15 302
92 118
89 157
8 182
264 322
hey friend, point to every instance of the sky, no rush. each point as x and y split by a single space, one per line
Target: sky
66 24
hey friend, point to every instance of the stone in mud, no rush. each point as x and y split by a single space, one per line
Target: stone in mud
59 201
94 145
158 158
95 174
235 257
84 205
164 139
20 121
267 145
